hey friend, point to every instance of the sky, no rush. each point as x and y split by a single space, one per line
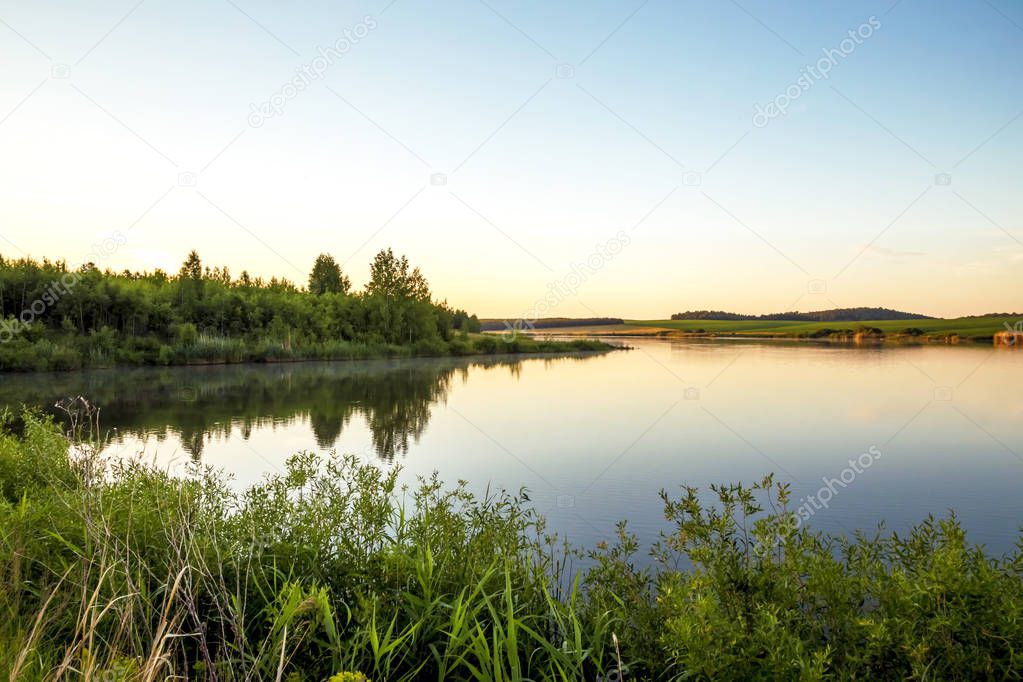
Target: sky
629 159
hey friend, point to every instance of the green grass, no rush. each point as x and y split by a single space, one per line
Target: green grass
114 570
982 328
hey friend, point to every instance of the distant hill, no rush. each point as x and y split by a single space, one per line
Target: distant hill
833 315
495 325
974 317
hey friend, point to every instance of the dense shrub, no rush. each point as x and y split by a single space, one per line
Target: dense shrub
202 315
116 570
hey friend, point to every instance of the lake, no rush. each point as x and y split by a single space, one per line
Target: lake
594 438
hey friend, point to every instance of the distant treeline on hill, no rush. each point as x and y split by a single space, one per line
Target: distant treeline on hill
548 323
834 315
974 317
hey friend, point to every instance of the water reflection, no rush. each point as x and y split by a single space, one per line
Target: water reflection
198 404
594 440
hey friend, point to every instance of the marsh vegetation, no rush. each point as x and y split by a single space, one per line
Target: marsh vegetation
115 570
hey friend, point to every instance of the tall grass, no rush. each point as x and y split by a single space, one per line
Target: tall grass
114 570
72 351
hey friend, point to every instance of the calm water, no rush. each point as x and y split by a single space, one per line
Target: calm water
595 438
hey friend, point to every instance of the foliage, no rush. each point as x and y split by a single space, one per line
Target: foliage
55 319
833 315
327 278
116 570
550 323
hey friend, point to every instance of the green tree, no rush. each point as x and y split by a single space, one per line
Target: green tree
398 300
394 278
145 310
327 278
190 281
192 267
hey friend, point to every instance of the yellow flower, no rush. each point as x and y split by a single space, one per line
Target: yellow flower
345 676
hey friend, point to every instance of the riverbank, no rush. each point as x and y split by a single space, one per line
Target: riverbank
328 570
56 319
983 330
72 352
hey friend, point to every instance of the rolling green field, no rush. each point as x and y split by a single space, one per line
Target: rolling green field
979 328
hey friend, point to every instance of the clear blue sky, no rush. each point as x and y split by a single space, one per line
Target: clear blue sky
556 126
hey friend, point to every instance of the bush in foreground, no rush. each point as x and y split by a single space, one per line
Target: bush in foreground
329 570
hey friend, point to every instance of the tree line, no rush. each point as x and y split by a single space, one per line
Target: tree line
74 315
551 323
833 315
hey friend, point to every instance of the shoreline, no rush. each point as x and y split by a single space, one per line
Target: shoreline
838 341
674 335
337 526
536 348
992 332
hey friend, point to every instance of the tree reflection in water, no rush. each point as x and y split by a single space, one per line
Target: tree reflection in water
198 404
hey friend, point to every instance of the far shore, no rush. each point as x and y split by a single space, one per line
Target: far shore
998 331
